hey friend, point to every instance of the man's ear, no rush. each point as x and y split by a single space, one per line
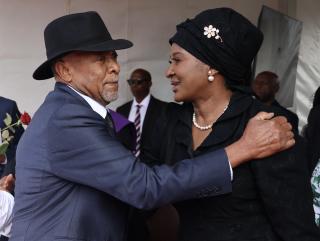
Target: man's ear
62 71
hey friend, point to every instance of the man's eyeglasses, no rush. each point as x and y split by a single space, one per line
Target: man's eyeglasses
135 81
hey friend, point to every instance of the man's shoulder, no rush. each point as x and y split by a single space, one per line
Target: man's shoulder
5 102
158 101
59 103
124 106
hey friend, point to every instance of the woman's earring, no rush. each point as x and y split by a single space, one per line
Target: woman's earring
210 76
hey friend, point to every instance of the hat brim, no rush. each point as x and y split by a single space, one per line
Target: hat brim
44 71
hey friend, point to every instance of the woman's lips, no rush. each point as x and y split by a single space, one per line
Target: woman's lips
175 85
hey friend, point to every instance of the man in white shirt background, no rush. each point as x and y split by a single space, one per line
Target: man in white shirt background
144 111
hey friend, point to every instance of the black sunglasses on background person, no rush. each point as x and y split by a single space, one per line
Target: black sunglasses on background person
135 81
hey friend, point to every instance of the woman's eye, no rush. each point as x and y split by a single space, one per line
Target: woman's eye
174 61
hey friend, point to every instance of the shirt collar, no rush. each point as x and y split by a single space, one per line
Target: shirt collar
96 106
144 102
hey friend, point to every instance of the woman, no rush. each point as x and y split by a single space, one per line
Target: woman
211 57
312 134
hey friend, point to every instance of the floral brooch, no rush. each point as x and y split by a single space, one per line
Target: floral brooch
210 31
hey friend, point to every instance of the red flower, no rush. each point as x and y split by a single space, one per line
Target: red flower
25 118
6 132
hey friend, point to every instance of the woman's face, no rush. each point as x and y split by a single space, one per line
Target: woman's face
189 76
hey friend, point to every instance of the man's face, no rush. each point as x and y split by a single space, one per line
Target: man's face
139 86
95 74
264 88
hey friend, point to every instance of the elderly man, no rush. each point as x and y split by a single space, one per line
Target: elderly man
74 179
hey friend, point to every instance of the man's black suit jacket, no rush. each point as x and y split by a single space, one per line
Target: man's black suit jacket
155 111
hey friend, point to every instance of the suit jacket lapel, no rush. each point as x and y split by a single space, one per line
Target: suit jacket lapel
127 108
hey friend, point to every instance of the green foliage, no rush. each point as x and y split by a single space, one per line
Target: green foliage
3 147
8 120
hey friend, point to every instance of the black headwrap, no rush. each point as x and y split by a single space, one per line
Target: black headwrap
222 39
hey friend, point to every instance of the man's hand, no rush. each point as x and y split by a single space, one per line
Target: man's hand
7 183
262 137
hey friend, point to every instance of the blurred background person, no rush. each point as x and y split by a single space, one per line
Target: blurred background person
10 107
265 86
144 111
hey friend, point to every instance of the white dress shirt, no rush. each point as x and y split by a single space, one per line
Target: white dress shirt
96 106
6 208
143 110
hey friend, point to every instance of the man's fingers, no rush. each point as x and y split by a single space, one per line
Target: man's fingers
263 116
290 134
287 126
280 120
290 143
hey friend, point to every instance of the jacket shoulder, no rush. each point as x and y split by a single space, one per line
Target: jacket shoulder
124 106
7 102
158 102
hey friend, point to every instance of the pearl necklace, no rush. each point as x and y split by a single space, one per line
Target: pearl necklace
207 127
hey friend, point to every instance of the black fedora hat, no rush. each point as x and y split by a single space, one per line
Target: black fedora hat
76 32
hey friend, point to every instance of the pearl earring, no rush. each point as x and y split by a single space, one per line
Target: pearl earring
210 78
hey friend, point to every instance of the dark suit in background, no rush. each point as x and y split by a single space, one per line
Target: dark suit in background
155 111
265 86
10 107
